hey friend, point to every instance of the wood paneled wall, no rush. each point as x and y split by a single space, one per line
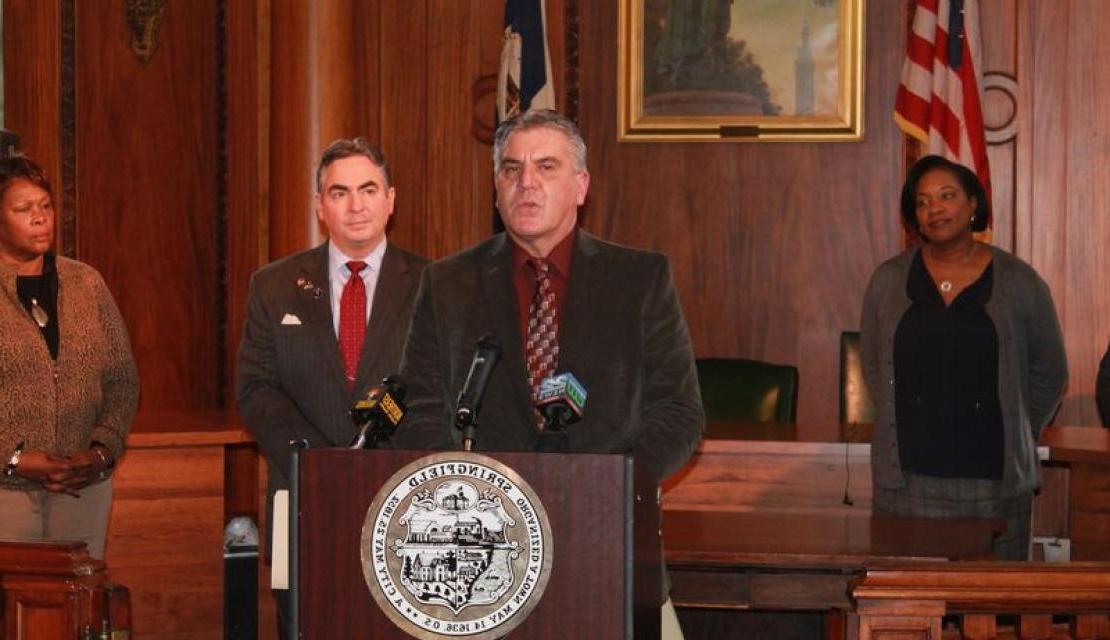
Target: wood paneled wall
1062 206
180 176
1049 137
148 190
771 244
191 170
133 148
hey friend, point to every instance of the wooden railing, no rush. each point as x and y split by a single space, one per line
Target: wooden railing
56 590
908 601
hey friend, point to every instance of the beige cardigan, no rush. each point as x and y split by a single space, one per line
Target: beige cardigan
89 394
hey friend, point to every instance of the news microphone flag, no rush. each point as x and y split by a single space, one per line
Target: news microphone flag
524 81
564 387
939 99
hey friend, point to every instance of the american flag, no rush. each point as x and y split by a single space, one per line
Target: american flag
938 99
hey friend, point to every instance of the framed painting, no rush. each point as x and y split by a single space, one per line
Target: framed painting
740 70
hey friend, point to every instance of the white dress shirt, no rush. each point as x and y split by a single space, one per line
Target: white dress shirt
338 274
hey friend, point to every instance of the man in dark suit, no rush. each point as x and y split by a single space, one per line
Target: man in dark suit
325 325
558 300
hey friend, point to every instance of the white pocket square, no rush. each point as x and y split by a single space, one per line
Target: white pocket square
290 319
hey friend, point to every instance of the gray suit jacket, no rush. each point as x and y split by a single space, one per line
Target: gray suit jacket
622 335
290 382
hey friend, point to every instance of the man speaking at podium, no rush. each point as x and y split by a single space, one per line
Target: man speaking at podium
558 300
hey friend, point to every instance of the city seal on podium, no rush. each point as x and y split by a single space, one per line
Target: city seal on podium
456 545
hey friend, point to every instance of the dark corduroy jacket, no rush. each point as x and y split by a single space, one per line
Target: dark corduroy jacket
622 334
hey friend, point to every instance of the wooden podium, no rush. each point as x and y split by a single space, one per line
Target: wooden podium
604 581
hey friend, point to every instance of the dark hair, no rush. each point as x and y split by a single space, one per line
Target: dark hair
967 179
20 166
344 148
534 119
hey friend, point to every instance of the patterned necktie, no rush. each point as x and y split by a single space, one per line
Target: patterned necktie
352 320
541 349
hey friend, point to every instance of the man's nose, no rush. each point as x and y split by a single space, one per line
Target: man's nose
527 176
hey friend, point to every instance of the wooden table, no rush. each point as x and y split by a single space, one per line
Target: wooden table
757 521
773 560
1075 490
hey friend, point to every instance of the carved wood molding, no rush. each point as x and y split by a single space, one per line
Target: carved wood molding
223 269
1004 84
570 73
143 17
67 118
481 119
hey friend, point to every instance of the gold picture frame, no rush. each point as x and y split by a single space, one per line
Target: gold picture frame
684 77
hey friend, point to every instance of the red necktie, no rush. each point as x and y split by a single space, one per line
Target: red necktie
541 349
352 320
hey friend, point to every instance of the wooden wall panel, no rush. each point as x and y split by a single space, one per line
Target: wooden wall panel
1085 306
147 153
1000 106
324 84
33 88
165 540
438 66
771 244
462 169
403 131
1063 170
292 143
247 116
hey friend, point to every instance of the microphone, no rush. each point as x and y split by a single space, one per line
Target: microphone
561 401
486 354
379 413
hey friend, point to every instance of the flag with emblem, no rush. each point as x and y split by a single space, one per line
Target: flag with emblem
524 81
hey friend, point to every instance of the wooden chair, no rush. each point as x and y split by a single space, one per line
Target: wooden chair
738 390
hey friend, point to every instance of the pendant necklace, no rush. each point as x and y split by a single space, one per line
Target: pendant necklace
42 318
946 285
38 314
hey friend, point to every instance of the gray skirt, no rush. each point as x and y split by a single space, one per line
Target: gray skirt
930 497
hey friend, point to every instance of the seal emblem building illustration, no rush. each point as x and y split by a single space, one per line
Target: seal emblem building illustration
456 545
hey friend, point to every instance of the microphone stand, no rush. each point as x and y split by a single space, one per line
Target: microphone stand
464 420
553 438
486 354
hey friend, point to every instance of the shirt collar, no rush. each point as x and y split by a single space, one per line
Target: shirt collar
560 256
337 260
